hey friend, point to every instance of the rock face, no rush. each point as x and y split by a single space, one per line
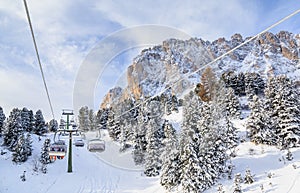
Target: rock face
112 96
179 63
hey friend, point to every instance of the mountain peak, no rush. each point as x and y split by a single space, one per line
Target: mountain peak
156 68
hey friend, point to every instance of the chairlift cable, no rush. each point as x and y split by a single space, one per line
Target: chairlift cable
38 58
216 59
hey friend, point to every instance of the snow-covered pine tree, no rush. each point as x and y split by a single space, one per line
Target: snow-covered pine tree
254 84
140 143
2 119
236 82
21 150
175 103
288 113
53 125
240 84
83 118
170 159
25 116
271 103
166 99
192 172
190 141
40 125
28 144
232 104
44 169
31 126
192 105
113 125
248 177
204 157
92 120
45 158
282 100
153 160
128 119
258 123
13 130
154 136
237 183
101 118
220 189
230 137
289 155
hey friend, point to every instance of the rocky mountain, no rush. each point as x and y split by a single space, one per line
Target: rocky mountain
174 62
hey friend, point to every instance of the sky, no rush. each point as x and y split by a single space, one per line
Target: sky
69 31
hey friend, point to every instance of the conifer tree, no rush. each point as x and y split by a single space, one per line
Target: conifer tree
237 183
175 103
153 161
2 119
282 100
13 130
154 137
92 120
28 144
170 162
207 89
40 125
45 158
53 125
31 126
21 152
113 125
83 118
232 105
140 143
25 116
248 177
288 113
257 126
101 118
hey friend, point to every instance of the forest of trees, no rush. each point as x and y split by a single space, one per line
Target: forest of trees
17 128
195 157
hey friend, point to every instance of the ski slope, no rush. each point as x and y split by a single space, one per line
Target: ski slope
91 173
114 172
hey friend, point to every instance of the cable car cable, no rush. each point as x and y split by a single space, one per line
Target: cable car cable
215 60
38 58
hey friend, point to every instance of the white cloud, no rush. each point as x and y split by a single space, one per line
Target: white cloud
23 90
207 19
67 30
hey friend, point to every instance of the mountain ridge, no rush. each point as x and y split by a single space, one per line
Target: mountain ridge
161 66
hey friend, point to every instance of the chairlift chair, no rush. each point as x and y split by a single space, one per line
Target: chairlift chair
96 145
58 149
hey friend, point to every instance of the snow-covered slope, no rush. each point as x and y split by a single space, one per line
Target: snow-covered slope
90 174
271 170
93 172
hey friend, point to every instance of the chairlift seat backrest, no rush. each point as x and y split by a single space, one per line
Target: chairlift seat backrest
96 145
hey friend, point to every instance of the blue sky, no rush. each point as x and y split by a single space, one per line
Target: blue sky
67 30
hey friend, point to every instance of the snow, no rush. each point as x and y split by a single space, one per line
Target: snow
175 119
111 171
91 173
262 161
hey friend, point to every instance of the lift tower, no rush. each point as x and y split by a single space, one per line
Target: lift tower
68 113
